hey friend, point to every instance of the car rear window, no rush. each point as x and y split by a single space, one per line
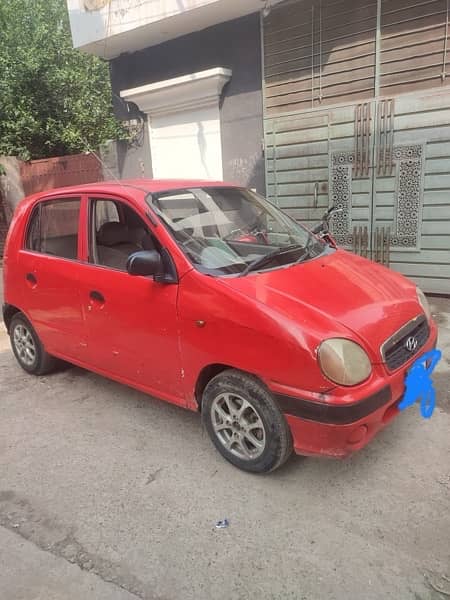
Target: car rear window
53 228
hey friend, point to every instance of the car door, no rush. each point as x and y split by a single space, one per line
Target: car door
131 321
49 265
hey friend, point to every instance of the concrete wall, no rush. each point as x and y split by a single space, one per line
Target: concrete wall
121 160
235 45
112 27
11 187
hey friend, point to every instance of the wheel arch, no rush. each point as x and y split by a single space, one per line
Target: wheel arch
9 311
210 371
204 377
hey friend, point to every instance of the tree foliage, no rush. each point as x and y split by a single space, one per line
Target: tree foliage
54 100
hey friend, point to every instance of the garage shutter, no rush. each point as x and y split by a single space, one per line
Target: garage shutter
414 53
319 53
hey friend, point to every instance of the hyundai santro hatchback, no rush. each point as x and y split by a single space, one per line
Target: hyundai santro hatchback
207 296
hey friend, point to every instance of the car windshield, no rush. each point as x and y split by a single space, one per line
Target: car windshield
232 231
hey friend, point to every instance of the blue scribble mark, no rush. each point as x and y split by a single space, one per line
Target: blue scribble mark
420 385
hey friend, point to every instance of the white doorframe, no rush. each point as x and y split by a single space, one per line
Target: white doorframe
184 123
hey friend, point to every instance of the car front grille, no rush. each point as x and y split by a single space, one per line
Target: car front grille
406 343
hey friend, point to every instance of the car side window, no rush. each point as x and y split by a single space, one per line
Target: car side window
53 228
106 211
116 232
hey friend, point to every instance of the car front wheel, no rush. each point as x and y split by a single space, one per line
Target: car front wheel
244 422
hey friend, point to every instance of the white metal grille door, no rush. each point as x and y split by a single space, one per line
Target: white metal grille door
358 114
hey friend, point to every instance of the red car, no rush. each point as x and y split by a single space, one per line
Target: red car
206 295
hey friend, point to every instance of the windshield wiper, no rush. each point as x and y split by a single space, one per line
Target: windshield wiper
309 250
267 258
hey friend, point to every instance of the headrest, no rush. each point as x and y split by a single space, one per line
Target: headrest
112 233
136 235
141 237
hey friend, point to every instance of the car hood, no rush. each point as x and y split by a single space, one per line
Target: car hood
367 299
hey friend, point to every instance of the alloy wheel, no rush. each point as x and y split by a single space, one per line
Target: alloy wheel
238 426
24 345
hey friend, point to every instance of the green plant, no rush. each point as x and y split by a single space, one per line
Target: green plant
54 100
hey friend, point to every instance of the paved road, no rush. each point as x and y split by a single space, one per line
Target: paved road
108 494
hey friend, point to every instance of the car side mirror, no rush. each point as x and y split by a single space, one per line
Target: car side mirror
145 263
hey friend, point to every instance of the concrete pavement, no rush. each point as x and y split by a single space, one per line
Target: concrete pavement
106 493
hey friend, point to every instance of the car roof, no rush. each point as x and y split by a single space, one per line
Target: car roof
144 185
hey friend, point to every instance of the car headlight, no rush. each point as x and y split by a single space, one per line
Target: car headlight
344 362
423 303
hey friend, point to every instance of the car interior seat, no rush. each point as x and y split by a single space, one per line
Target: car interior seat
115 243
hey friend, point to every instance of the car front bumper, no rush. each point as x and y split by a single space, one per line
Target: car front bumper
337 428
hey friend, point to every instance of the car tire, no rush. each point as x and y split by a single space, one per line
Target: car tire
28 348
244 422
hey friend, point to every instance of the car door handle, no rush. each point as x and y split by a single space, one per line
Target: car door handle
31 278
97 297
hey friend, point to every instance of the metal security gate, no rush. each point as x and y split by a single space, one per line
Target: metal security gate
355 124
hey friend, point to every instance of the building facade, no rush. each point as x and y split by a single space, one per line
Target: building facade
312 102
202 97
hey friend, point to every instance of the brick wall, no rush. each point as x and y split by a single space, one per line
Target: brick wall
48 173
25 178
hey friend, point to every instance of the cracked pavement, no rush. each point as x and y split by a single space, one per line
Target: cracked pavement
106 493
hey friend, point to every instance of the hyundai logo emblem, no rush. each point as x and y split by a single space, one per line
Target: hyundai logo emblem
411 344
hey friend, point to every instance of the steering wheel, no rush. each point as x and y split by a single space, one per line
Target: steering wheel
233 234
251 230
